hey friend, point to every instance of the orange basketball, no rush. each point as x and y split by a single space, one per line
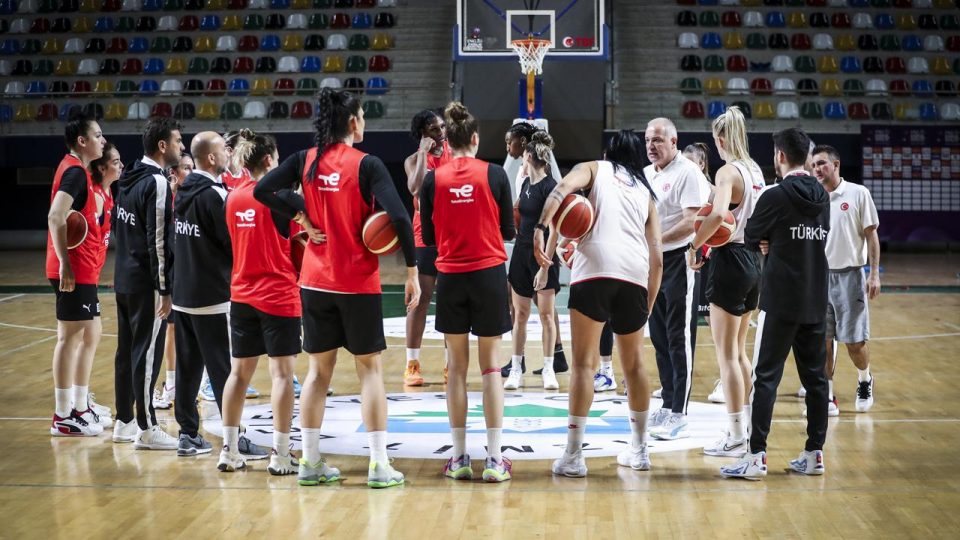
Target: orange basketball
723 234
566 254
76 229
298 246
379 235
574 217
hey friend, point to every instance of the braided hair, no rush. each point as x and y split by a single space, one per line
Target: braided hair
333 122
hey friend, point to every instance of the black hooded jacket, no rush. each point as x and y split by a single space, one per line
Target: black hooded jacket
142 231
203 256
794 216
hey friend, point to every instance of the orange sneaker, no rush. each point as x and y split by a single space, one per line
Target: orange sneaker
412 376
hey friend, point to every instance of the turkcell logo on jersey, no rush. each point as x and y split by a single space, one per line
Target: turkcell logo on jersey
462 194
534 426
246 218
329 182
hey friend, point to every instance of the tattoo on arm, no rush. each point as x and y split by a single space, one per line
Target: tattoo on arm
555 194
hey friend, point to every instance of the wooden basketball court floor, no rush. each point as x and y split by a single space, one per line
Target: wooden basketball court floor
893 472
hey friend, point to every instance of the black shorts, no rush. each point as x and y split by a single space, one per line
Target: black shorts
253 332
80 304
703 305
334 320
427 261
475 302
524 267
733 282
622 303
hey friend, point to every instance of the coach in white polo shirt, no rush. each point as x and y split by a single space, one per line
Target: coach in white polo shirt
681 189
851 243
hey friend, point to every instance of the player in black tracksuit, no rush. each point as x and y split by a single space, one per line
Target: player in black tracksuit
201 294
141 225
792 220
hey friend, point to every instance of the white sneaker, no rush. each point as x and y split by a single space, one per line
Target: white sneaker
658 393
809 463
550 380
750 467
674 427
125 432
864 395
604 381
230 462
75 425
802 392
163 396
833 408
637 459
383 475
717 395
93 418
282 465
155 438
570 465
727 446
658 418
514 381
101 410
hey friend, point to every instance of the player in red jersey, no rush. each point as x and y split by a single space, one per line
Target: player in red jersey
73 273
236 173
264 307
429 129
340 278
467 212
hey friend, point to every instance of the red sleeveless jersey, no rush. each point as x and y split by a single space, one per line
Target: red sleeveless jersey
83 258
336 207
466 218
433 163
263 274
105 228
231 182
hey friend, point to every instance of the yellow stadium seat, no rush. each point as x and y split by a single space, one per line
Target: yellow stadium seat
732 40
830 87
208 111
764 110
260 87
52 46
204 44
846 42
114 112
25 113
714 87
797 19
231 22
293 42
333 64
828 64
176 66
66 66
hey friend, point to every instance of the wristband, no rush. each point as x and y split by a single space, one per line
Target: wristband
542 227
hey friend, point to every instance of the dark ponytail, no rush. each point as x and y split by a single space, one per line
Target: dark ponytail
77 126
333 121
625 150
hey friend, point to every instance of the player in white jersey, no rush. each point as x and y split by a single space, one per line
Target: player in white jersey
615 277
853 241
733 282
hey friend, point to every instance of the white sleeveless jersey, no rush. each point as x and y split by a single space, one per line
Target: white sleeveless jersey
753 185
616 247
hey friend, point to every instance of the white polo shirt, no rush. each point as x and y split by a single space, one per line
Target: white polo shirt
679 185
851 211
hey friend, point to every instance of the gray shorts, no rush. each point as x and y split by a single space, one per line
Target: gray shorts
848 316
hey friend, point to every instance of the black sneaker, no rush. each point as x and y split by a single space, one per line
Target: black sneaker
251 451
192 446
559 362
505 370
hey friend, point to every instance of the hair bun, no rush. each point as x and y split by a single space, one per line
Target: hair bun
542 137
457 112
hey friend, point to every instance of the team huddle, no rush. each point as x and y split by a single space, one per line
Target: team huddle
211 256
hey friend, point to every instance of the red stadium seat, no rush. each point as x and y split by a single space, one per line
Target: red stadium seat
284 87
301 110
693 109
161 109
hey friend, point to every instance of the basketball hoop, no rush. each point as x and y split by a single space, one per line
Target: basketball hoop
531 52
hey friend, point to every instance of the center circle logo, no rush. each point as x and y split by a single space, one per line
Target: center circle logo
844 207
534 426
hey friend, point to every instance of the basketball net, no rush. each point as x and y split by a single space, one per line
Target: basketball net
531 52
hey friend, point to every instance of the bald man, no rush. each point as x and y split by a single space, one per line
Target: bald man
201 291
681 189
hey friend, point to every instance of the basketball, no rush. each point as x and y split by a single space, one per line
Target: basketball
379 235
724 233
567 253
574 217
298 246
76 229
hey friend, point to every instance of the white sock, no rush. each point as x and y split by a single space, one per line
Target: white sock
459 435
377 440
62 401
606 364
171 379
413 355
830 388
493 443
736 425
80 397
446 356
231 438
863 375
638 428
515 363
548 363
310 439
576 425
747 419
281 443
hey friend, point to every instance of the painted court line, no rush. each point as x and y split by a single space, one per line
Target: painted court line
27 346
4 299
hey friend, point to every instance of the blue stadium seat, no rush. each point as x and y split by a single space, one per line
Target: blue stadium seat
835 110
922 88
67 109
884 21
850 64
210 23
239 87
138 45
310 64
103 24
377 86
911 43
152 5
711 40
270 43
153 66
716 108
149 87
36 89
928 112
362 21
775 19
279 4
